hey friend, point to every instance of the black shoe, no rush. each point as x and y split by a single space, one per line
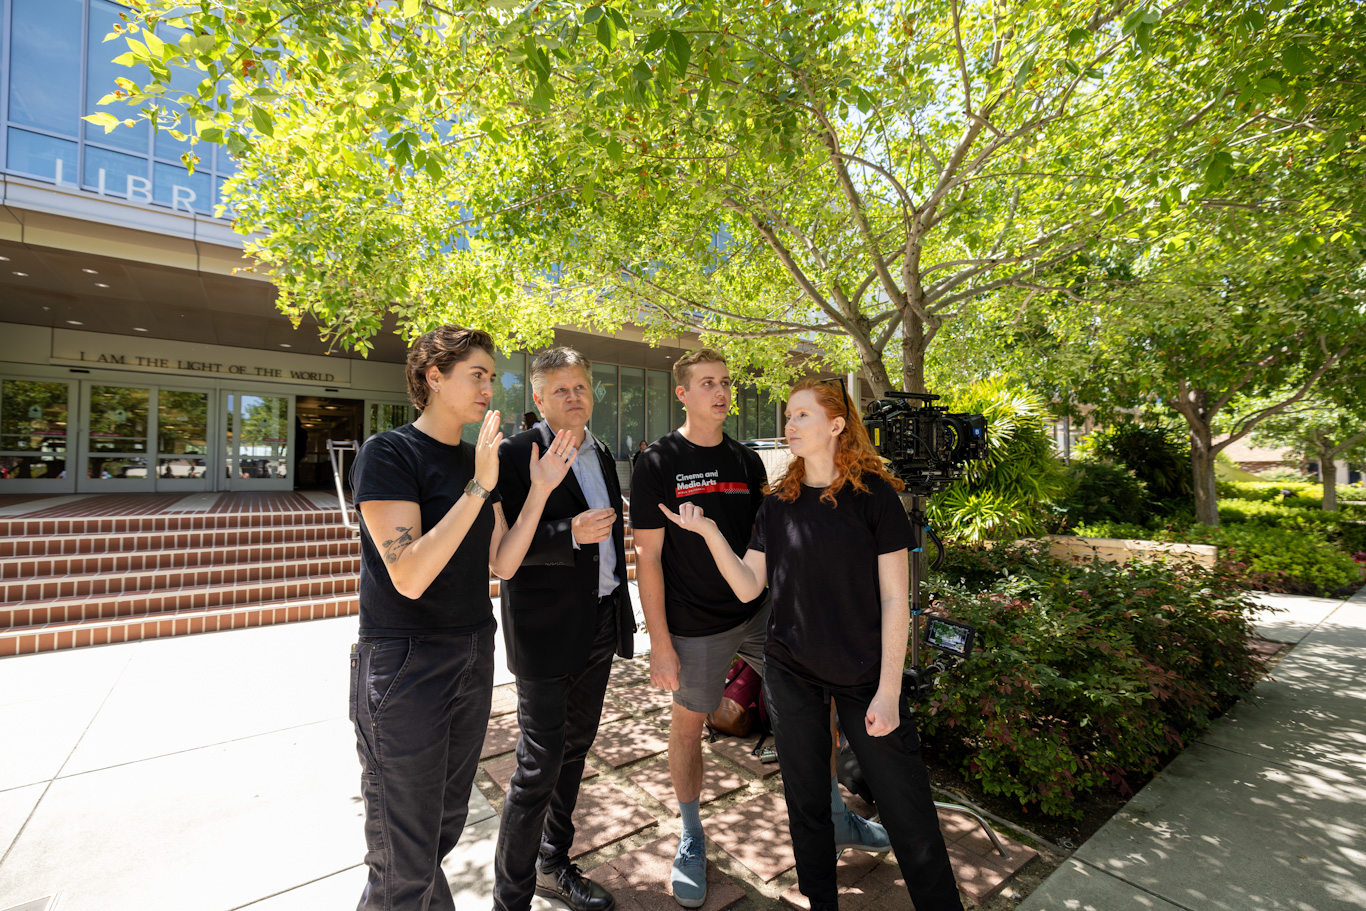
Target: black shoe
570 886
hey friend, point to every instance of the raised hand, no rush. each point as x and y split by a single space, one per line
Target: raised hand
486 452
691 517
549 470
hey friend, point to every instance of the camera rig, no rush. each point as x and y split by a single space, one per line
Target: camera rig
926 446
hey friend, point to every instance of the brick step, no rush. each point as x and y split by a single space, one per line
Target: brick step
163 522
59 545
69 610
33 638
35 591
28 568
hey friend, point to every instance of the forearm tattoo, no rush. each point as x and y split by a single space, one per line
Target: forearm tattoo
395 545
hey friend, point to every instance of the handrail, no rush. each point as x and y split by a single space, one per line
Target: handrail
336 454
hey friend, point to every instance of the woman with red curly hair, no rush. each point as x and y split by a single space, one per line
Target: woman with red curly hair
832 544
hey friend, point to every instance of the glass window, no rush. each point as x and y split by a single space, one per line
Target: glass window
42 156
33 416
659 393
101 71
604 425
768 416
116 174
732 423
386 417
182 422
264 437
176 187
118 418
632 411
45 83
677 413
749 413
509 391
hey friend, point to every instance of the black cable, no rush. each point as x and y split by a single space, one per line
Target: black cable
938 547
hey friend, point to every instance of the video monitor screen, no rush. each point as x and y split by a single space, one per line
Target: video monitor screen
947 636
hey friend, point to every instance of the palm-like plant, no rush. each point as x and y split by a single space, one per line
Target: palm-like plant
1005 495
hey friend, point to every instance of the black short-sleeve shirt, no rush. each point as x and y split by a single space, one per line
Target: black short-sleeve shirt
823 579
727 482
406 464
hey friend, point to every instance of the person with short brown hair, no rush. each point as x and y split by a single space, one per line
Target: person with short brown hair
432 530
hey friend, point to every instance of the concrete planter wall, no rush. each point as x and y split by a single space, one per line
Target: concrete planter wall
1121 550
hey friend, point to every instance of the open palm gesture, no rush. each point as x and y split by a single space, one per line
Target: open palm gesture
548 470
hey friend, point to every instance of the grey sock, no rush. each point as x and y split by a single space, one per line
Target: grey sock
692 820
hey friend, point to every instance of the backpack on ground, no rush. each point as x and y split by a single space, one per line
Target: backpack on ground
742 708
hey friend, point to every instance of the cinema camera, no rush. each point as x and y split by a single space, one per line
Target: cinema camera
925 445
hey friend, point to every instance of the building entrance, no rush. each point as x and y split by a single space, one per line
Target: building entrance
317 420
142 438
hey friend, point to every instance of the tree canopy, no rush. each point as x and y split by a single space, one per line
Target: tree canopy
843 179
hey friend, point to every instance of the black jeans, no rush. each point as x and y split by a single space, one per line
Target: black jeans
800 713
559 718
420 706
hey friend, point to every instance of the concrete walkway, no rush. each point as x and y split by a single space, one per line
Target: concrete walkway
217 772
1267 811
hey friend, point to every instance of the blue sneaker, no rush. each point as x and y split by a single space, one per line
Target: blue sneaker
689 876
853 831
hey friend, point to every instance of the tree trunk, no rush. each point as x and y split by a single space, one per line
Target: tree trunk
1328 474
913 345
1202 467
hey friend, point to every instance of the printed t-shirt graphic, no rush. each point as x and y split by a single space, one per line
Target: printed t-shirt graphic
727 483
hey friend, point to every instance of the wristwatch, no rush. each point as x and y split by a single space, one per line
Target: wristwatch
475 489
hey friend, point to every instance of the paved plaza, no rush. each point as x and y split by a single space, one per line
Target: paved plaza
218 772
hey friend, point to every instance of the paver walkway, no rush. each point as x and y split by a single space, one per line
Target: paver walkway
218 772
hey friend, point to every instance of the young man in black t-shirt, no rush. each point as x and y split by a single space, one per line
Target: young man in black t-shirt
696 623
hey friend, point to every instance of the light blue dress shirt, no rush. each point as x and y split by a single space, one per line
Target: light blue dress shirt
587 469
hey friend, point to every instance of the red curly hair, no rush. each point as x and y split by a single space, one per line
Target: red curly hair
854 452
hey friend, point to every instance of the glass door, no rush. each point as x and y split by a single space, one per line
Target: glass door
34 444
182 437
116 454
259 433
381 416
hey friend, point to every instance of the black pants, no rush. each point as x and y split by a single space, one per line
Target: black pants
421 706
559 718
800 714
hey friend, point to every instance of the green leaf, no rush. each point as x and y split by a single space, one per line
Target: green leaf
1292 60
103 119
680 51
262 121
1023 73
614 151
592 14
655 41
411 8
607 32
642 72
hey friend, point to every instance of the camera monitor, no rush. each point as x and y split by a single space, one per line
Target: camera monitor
948 636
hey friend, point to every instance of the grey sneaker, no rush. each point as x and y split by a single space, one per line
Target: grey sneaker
853 831
689 876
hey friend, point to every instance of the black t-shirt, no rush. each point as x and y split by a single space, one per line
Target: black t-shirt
406 464
727 482
822 572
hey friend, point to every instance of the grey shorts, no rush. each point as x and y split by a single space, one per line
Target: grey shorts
703 660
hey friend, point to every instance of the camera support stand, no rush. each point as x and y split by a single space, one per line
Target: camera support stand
915 508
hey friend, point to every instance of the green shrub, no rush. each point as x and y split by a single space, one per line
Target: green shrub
1087 676
1095 491
1007 494
1283 474
1298 560
1158 456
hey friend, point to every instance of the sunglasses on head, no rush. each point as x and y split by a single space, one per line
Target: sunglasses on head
844 394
